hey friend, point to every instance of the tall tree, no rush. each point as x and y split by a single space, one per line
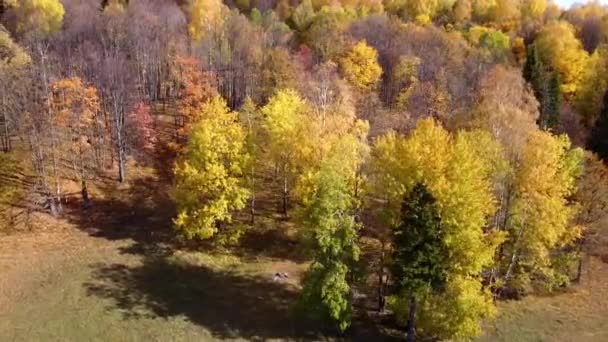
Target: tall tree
209 183
554 101
286 124
532 71
331 230
542 213
420 256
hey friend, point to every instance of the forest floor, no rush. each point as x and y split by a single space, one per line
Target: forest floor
117 273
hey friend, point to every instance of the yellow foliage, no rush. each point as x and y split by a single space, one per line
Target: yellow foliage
205 16
360 66
533 8
209 177
559 48
542 214
42 16
13 57
593 86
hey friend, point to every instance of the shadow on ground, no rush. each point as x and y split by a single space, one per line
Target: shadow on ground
142 212
229 305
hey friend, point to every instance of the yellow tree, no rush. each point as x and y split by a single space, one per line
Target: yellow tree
209 184
458 172
506 13
205 17
43 16
533 9
559 48
288 129
360 66
541 217
593 86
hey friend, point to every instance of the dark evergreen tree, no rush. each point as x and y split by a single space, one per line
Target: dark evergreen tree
533 71
420 255
554 101
598 141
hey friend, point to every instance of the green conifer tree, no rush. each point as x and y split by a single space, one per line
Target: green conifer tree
420 255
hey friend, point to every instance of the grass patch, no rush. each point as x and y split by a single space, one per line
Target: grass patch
580 314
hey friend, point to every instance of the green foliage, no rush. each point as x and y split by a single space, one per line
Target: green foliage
419 264
331 231
303 15
496 42
208 178
325 35
533 70
419 254
554 101
546 87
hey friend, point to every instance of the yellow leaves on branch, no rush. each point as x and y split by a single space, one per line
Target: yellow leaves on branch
559 48
42 16
13 57
360 66
545 180
205 16
209 184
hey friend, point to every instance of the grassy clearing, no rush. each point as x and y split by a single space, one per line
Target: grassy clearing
118 274
581 314
103 292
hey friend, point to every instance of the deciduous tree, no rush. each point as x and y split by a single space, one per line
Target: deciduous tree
360 66
209 184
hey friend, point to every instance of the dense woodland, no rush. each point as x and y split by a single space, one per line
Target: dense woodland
465 138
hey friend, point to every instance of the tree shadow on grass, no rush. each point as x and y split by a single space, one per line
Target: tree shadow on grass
142 212
229 305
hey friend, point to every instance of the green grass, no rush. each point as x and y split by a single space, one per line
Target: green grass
84 288
92 289
580 314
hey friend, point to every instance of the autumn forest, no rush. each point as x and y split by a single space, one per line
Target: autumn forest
344 169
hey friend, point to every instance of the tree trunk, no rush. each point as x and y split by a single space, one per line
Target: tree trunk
285 190
121 164
411 324
579 269
252 195
381 298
